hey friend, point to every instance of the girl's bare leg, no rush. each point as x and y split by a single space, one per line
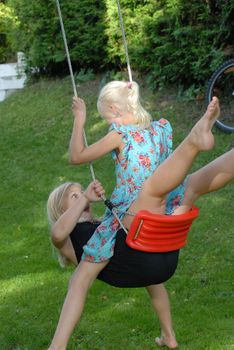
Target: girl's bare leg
210 178
161 304
81 281
174 169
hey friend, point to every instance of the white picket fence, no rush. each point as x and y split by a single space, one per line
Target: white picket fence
12 76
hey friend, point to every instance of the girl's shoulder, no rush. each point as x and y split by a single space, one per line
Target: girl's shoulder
163 124
124 129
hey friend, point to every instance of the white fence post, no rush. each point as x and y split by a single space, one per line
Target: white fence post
12 76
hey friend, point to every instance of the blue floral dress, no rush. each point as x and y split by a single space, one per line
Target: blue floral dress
144 150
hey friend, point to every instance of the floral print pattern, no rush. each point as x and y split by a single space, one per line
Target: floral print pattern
144 150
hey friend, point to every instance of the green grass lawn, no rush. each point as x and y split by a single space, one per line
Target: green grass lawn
35 130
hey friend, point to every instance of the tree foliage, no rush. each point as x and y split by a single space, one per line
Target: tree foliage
173 41
39 34
7 22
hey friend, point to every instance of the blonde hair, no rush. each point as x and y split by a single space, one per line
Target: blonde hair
55 210
126 96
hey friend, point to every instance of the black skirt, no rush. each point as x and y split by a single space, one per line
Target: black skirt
128 268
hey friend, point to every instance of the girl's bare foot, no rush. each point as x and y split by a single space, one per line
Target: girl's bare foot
201 136
171 342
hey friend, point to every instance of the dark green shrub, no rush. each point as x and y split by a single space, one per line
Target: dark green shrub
39 34
172 41
7 22
190 45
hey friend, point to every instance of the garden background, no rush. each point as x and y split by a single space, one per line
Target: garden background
173 46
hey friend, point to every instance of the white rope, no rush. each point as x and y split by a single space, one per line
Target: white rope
71 74
66 48
124 41
76 95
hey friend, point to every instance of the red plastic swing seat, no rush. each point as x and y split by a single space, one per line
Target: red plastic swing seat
160 233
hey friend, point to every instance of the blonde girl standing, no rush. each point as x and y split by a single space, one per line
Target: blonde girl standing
138 145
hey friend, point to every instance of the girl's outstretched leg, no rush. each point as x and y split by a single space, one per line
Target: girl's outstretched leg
161 304
81 281
174 169
210 178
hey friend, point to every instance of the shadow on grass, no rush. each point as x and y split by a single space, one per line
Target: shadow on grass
30 319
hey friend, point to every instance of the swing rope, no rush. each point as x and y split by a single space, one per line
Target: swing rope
71 73
124 41
106 201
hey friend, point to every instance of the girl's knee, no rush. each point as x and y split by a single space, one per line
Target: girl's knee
78 282
86 273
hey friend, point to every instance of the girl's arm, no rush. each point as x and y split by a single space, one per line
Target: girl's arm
78 152
61 230
68 220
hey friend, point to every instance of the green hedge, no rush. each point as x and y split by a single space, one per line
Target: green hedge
39 34
173 41
7 24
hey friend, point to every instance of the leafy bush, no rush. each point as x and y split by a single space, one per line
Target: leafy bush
39 34
7 22
190 45
173 41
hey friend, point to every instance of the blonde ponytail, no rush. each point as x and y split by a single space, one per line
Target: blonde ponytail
127 97
143 118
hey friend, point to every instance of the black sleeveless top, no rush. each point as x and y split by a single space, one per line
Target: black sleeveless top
128 268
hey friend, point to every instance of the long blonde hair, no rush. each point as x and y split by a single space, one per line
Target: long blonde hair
55 210
126 96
